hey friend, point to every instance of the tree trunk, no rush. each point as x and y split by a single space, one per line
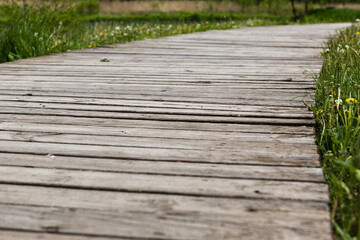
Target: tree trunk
306 7
293 9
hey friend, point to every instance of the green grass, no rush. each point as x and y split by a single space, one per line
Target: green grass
338 129
331 15
320 15
181 16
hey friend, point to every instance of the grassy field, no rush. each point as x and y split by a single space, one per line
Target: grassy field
337 114
40 30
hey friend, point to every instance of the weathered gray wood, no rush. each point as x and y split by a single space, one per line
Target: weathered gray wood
292 173
199 136
172 213
194 186
14 101
177 226
249 154
153 142
248 117
16 235
168 109
30 130
240 99
140 125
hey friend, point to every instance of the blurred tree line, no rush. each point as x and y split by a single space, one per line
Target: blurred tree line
298 8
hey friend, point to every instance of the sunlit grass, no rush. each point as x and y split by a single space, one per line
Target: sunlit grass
338 128
109 33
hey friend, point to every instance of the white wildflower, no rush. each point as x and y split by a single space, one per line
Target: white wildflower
338 101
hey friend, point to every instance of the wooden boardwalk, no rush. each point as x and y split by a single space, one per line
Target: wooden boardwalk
199 136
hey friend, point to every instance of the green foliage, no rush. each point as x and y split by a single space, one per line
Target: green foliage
88 7
328 15
35 30
181 16
338 128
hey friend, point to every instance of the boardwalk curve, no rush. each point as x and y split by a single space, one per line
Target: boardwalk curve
198 136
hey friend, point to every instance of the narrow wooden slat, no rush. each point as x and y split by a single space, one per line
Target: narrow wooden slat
194 186
247 118
250 153
21 235
28 131
233 171
176 226
140 125
164 214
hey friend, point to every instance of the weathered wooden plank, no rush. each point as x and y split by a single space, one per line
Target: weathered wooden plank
150 142
124 124
180 185
240 111
233 171
29 130
172 211
239 99
248 118
249 154
104 102
140 83
21 235
148 225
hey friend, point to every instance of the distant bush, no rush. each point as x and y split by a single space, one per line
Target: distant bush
88 7
332 15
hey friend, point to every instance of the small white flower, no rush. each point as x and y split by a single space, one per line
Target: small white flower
346 46
36 34
357 20
327 50
338 101
342 51
117 28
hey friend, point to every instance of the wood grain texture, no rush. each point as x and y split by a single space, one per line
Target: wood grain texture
197 136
